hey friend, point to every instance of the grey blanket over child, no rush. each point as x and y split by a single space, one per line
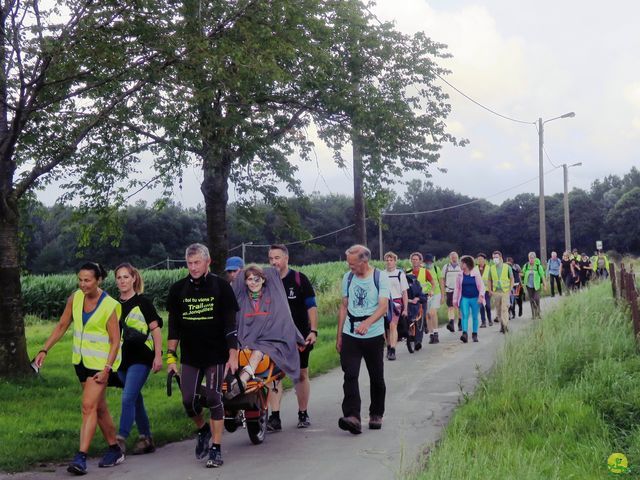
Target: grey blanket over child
269 327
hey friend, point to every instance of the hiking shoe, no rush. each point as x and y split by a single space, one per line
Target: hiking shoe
474 337
418 346
431 339
388 353
450 326
464 337
143 445
113 457
491 323
202 441
274 424
350 424
392 354
436 338
78 465
375 422
501 328
303 420
215 458
483 325
122 443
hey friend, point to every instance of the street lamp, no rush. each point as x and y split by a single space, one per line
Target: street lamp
543 221
567 223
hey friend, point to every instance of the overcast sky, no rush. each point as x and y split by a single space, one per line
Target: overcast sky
525 60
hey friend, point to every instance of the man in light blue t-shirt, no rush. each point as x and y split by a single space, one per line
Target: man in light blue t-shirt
360 335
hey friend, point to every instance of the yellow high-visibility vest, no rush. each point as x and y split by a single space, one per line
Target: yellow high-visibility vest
135 319
91 341
505 278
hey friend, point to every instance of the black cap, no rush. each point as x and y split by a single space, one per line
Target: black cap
428 257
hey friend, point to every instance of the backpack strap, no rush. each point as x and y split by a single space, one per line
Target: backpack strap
349 278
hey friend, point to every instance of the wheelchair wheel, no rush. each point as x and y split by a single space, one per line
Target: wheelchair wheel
257 428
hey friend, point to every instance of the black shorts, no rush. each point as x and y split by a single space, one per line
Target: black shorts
304 356
83 373
449 299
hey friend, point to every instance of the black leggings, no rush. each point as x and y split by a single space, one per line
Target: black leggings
190 383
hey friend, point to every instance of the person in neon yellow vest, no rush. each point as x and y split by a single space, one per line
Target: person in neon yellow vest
140 356
435 298
96 356
500 283
533 278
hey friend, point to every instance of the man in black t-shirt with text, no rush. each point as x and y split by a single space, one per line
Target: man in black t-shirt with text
202 319
302 303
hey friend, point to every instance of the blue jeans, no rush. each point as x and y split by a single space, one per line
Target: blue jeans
469 306
132 402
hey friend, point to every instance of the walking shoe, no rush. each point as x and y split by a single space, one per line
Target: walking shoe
113 457
431 339
483 325
474 337
350 424
143 445
436 338
375 422
450 326
502 330
78 465
202 441
392 354
274 424
215 458
491 323
388 353
418 346
122 443
303 420
464 337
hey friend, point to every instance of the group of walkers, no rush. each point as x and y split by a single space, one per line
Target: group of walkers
272 312
117 342
575 270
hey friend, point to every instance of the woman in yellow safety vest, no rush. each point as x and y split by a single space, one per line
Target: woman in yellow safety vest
96 356
141 354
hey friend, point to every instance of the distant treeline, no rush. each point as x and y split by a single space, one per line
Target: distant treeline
609 211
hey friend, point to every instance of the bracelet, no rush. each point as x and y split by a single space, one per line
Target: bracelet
44 350
110 367
315 332
171 360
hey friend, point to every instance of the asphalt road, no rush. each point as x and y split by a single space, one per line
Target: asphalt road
423 390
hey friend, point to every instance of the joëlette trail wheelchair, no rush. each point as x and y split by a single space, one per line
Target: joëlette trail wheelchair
250 408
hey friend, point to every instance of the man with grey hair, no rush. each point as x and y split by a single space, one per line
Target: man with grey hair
360 335
202 318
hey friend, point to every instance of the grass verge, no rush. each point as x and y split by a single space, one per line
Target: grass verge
561 399
44 412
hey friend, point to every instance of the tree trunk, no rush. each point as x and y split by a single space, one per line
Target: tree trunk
359 213
216 167
14 359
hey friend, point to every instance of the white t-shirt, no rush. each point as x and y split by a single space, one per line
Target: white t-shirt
397 282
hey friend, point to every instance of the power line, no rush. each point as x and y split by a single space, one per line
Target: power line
481 105
308 239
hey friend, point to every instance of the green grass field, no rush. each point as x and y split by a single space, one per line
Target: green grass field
560 401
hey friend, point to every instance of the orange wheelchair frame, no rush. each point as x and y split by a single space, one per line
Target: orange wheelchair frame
250 408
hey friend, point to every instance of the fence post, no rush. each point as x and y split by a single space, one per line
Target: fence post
633 300
622 280
612 276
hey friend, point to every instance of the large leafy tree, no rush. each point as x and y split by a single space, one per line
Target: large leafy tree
65 69
384 101
236 102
